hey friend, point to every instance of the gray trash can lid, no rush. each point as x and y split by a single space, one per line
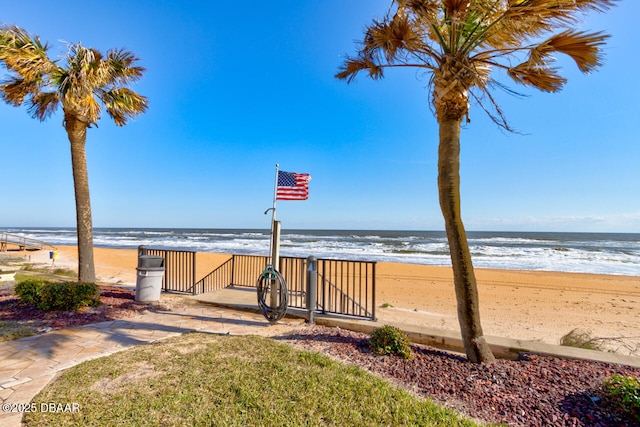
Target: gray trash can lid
150 269
150 261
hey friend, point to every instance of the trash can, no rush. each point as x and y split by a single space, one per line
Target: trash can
149 279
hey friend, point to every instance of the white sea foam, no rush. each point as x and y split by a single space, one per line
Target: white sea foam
570 252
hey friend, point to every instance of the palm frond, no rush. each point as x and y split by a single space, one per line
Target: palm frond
24 54
91 108
456 18
16 89
583 48
544 78
122 104
352 66
524 20
391 37
553 12
119 65
456 7
424 10
44 104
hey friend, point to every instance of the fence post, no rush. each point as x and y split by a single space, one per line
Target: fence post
193 272
312 287
233 270
142 250
373 292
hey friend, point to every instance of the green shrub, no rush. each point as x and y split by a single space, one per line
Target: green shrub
624 393
28 290
390 340
68 296
49 296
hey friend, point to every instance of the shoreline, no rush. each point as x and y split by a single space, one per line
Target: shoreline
529 305
578 252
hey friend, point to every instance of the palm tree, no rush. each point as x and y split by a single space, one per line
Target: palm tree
87 80
458 43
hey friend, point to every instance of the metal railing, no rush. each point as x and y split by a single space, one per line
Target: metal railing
347 287
239 270
179 270
294 272
247 269
344 287
217 279
21 242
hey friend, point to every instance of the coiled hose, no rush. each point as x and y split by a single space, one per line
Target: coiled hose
271 279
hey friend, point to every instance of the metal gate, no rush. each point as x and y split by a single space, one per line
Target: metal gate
179 269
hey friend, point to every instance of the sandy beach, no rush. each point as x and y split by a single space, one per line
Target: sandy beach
529 305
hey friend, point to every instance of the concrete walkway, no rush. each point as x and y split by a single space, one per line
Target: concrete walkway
27 365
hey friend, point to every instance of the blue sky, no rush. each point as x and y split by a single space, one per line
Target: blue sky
236 87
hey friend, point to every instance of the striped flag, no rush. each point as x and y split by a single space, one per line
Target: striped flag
293 186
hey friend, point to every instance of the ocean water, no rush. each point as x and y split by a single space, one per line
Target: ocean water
600 253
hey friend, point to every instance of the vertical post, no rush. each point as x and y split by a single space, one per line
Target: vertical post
324 289
166 276
273 214
373 292
193 269
312 287
275 262
275 245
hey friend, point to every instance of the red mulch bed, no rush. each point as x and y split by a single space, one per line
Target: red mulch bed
535 391
117 303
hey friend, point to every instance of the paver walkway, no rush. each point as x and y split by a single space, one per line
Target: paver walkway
27 365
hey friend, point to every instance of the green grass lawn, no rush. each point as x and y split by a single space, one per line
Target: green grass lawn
202 379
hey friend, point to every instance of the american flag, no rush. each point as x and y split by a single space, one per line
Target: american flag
293 186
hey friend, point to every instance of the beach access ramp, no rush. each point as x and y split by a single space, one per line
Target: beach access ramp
10 241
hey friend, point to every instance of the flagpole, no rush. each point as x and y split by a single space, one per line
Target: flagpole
274 246
275 195
273 216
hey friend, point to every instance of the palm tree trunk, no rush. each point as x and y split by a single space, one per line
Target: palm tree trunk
77 133
466 289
